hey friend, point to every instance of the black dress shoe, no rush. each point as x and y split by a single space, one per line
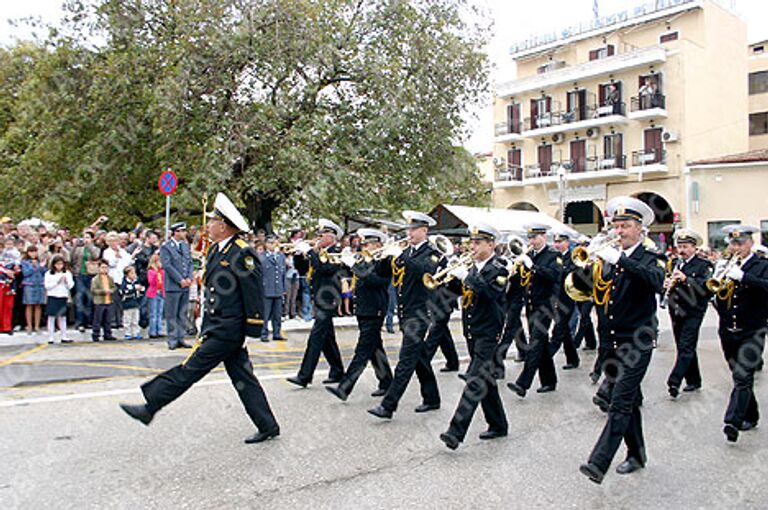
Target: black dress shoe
747 425
298 382
423 408
731 433
379 393
111 338
546 389
601 403
280 339
450 440
492 434
337 393
138 412
570 366
260 437
183 345
592 472
449 369
265 340
172 347
517 389
629 466
673 391
380 412
691 387
331 381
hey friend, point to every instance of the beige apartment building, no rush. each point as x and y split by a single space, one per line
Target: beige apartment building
758 95
619 106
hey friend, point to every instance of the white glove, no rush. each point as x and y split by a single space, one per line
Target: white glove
735 274
303 247
459 273
392 250
609 254
348 259
526 260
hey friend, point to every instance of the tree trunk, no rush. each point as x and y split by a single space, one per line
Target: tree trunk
258 211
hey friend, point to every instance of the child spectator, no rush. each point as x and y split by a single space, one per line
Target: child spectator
102 289
131 291
155 295
58 283
33 283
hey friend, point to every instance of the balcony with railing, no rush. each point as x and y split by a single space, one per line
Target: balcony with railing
649 161
648 106
510 173
583 169
562 121
508 131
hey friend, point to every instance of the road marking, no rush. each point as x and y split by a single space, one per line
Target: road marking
21 355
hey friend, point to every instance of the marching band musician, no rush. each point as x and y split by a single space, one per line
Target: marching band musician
627 320
564 305
232 315
540 276
407 269
741 304
513 328
482 289
687 301
325 285
371 292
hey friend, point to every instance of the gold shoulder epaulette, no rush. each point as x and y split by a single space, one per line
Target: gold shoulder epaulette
240 243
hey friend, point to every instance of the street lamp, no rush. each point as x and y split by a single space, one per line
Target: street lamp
561 188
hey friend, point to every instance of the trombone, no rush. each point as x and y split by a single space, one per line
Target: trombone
432 281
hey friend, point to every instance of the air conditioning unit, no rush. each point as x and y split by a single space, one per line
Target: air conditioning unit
498 161
558 138
592 132
669 136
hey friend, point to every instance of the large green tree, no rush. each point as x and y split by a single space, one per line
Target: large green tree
298 108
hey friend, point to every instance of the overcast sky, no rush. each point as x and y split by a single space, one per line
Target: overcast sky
514 20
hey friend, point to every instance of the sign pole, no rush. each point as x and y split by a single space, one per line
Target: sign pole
167 216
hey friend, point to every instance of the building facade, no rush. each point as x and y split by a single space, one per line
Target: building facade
758 95
618 108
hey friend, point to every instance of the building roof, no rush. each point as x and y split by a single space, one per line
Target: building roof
743 157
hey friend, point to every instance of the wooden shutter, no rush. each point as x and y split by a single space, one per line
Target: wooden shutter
545 158
593 54
652 143
611 49
579 155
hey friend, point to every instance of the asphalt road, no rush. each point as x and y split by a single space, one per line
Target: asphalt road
66 444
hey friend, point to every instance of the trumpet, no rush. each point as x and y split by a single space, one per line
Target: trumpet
432 281
718 283
334 258
584 256
378 253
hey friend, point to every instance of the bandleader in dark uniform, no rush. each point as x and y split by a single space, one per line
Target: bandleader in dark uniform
325 285
407 269
539 273
743 313
233 292
482 288
371 291
687 298
627 321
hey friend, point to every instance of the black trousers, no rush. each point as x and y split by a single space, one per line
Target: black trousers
369 348
743 351
513 333
624 421
102 319
686 331
440 336
322 339
586 331
538 359
168 386
561 335
480 389
413 358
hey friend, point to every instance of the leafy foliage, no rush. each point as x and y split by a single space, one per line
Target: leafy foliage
298 108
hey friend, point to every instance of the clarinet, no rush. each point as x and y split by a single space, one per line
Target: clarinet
665 298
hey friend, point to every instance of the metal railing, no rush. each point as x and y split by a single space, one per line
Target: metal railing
646 102
649 157
606 109
506 128
510 173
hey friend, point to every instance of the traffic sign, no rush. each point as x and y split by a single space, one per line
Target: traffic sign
167 183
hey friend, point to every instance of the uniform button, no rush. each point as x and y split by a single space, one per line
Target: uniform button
211 300
212 289
610 316
613 332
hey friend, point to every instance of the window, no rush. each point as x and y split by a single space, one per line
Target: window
604 52
715 236
758 82
758 49
613 152
668 37
758 123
